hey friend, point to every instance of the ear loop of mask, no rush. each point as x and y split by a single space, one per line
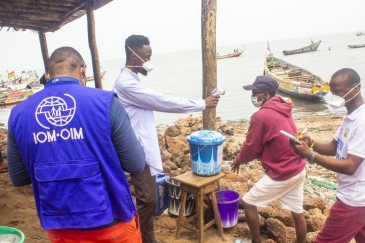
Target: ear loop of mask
137 56
350 91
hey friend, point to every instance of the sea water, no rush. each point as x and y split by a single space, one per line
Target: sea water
180 73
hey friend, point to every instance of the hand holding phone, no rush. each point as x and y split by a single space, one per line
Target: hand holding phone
291 137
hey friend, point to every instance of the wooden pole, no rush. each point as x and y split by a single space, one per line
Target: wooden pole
92 44
208 35
44 48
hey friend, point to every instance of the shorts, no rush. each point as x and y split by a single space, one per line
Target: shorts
344 223
289 192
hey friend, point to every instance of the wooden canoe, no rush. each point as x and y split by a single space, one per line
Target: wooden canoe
13 101
91 78
356 46
294 80
236 54
309 48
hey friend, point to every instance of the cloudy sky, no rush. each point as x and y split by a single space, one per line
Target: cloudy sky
173 25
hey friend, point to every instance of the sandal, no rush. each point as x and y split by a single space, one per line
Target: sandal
240 241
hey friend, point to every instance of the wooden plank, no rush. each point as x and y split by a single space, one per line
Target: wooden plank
26 7
196 181
200 211
23 26
180 220
44 2
191 218
44 48
65 18
189 228
209 224
92 44
208 36
27 23
217 215
33 16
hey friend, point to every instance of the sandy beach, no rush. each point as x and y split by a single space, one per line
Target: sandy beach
17 207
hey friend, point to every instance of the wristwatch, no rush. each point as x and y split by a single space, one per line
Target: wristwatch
312 159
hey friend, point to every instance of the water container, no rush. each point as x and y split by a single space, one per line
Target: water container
175 195
8 234
228 202
161 188
206 151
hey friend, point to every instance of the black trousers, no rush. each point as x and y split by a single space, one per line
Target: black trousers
146 198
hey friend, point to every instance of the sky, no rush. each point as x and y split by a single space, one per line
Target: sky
174 26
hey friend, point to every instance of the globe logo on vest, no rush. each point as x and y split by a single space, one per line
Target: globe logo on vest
56 110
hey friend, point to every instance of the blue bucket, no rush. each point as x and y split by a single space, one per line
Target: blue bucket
206 151
162 194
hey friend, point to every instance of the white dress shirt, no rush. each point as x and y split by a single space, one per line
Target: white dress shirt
140 102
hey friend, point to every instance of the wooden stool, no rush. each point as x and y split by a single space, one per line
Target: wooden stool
200 186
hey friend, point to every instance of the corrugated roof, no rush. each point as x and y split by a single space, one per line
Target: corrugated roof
43 15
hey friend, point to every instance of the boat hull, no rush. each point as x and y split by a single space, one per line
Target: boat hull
237 54
304 85
92 77
309 48
356 46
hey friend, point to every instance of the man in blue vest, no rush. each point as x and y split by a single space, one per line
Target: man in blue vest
74 143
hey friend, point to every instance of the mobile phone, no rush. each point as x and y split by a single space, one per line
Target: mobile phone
291 137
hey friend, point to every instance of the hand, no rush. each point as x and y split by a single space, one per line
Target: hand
301 150
212 101
305 138
235 167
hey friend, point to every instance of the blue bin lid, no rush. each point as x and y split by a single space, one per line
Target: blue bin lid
206 137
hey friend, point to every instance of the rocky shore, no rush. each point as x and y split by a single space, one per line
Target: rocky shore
17 205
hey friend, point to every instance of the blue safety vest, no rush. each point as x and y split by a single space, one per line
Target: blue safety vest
64 136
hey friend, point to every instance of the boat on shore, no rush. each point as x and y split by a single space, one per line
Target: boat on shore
356 46
91 78
358 33
312 47
294 80
235 54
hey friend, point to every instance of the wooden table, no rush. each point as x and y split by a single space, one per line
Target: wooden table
200 186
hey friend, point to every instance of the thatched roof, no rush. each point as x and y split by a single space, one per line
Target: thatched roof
43 15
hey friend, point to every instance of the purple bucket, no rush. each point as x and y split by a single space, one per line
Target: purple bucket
228 202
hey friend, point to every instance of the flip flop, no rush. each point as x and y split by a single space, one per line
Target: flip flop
240 241
3 171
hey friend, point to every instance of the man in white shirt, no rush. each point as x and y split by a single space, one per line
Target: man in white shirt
347 215
140 102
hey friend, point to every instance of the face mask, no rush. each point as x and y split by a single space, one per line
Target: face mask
146 65
255 102
337 102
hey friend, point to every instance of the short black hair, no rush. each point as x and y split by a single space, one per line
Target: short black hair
65 54
349 74
135 42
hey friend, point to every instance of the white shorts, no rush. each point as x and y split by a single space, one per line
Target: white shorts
289 192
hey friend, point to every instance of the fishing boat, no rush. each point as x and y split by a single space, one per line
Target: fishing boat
91 78
312 47
294 80
235 54
356 46
360 33
14 98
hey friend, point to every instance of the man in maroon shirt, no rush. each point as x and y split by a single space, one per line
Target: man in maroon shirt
285 171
